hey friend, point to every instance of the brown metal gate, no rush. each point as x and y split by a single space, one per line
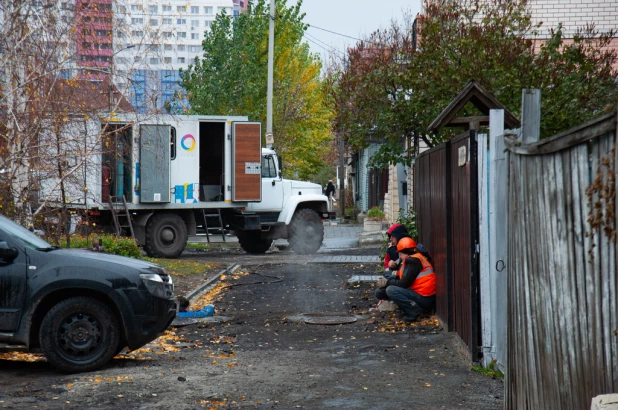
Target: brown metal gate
446 201
430 195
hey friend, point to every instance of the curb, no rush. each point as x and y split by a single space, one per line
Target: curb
196 293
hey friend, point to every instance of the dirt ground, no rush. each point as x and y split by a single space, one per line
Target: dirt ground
267 357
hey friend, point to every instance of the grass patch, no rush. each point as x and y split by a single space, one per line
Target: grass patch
181 267
492 371
197 245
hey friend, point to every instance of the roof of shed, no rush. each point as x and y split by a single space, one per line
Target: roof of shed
481 98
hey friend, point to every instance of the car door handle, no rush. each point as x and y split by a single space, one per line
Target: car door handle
273 182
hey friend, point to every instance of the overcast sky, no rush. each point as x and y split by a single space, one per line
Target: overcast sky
354 18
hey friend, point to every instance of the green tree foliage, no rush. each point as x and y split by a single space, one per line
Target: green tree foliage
231 79
391 88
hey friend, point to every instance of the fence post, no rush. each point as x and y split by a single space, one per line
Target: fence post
498 234
484 267
531 115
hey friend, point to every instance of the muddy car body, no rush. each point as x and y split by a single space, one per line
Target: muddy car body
78 307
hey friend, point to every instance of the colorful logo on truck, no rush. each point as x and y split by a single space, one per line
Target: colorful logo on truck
188 143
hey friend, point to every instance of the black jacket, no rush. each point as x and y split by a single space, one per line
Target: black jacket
330 189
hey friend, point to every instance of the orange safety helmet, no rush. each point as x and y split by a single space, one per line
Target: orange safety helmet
405 243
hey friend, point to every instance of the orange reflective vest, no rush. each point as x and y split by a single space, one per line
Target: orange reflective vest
425 282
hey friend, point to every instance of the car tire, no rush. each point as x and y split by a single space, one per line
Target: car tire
166 236
253 242
79 334
305 232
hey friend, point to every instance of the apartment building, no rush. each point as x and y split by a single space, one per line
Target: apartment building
153 40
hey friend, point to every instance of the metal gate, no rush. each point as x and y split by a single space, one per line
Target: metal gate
431 182
446 201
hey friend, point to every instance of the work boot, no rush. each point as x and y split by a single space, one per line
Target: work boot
409 319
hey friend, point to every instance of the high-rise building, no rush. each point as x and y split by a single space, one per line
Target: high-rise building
153 40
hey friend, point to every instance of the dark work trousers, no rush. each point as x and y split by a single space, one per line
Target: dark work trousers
409 301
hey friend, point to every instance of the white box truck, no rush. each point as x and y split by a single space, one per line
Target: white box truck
170 174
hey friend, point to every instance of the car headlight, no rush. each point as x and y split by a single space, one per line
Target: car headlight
158 285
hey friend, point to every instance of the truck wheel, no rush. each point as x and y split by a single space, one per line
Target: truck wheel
79 334
305 232
252 242
166 236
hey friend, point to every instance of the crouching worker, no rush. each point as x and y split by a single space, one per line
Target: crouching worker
413 289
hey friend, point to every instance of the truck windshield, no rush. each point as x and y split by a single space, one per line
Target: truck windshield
19 232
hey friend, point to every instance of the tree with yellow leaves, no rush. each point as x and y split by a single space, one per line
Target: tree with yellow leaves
231 79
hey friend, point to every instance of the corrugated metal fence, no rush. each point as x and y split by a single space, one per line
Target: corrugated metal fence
447 216
562 282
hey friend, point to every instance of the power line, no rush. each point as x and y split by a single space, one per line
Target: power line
339 34
326 47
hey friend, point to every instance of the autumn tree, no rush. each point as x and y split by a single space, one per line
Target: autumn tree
231 79
494 43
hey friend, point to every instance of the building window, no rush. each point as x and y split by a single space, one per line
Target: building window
195 36
154 22
167 8
167 34
138 33
154 60
181 60
181 47
207 23
167 60
153 47
136 7
153 9
122 9
166 21
181 21
208 11
195 10
167 47
181 9
86 45
137 20
195 23
86 32
182 34
225 10
194 49
137 59
103 33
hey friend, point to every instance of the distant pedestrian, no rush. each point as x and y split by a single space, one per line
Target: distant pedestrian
330 193
413 289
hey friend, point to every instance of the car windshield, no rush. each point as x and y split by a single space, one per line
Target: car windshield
24 235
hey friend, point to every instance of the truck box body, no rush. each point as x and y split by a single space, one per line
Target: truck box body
164 161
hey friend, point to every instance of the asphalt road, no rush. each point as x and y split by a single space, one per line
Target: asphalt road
267 357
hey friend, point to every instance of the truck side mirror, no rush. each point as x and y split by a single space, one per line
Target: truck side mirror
280 161
7 254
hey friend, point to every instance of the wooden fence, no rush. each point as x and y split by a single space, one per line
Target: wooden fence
562 281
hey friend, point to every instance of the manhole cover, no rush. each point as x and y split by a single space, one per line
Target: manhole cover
328 319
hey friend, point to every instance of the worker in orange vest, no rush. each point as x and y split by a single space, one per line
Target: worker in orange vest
413 289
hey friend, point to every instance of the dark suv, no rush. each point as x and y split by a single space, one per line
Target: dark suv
80 308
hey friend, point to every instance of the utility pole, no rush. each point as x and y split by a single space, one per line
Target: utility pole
341 175
270 139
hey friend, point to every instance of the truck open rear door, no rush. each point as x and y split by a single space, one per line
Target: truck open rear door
246 161
154 163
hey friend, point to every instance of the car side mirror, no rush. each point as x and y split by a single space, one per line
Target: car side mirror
7 254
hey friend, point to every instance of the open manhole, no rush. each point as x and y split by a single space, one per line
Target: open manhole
328 319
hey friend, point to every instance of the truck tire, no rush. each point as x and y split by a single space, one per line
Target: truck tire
305 231
252 242
166 236
79 334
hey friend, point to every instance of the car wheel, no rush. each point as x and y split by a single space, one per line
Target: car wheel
305 232
166 236
79 334
252 242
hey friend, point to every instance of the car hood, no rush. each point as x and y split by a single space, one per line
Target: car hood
305 187
87 256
